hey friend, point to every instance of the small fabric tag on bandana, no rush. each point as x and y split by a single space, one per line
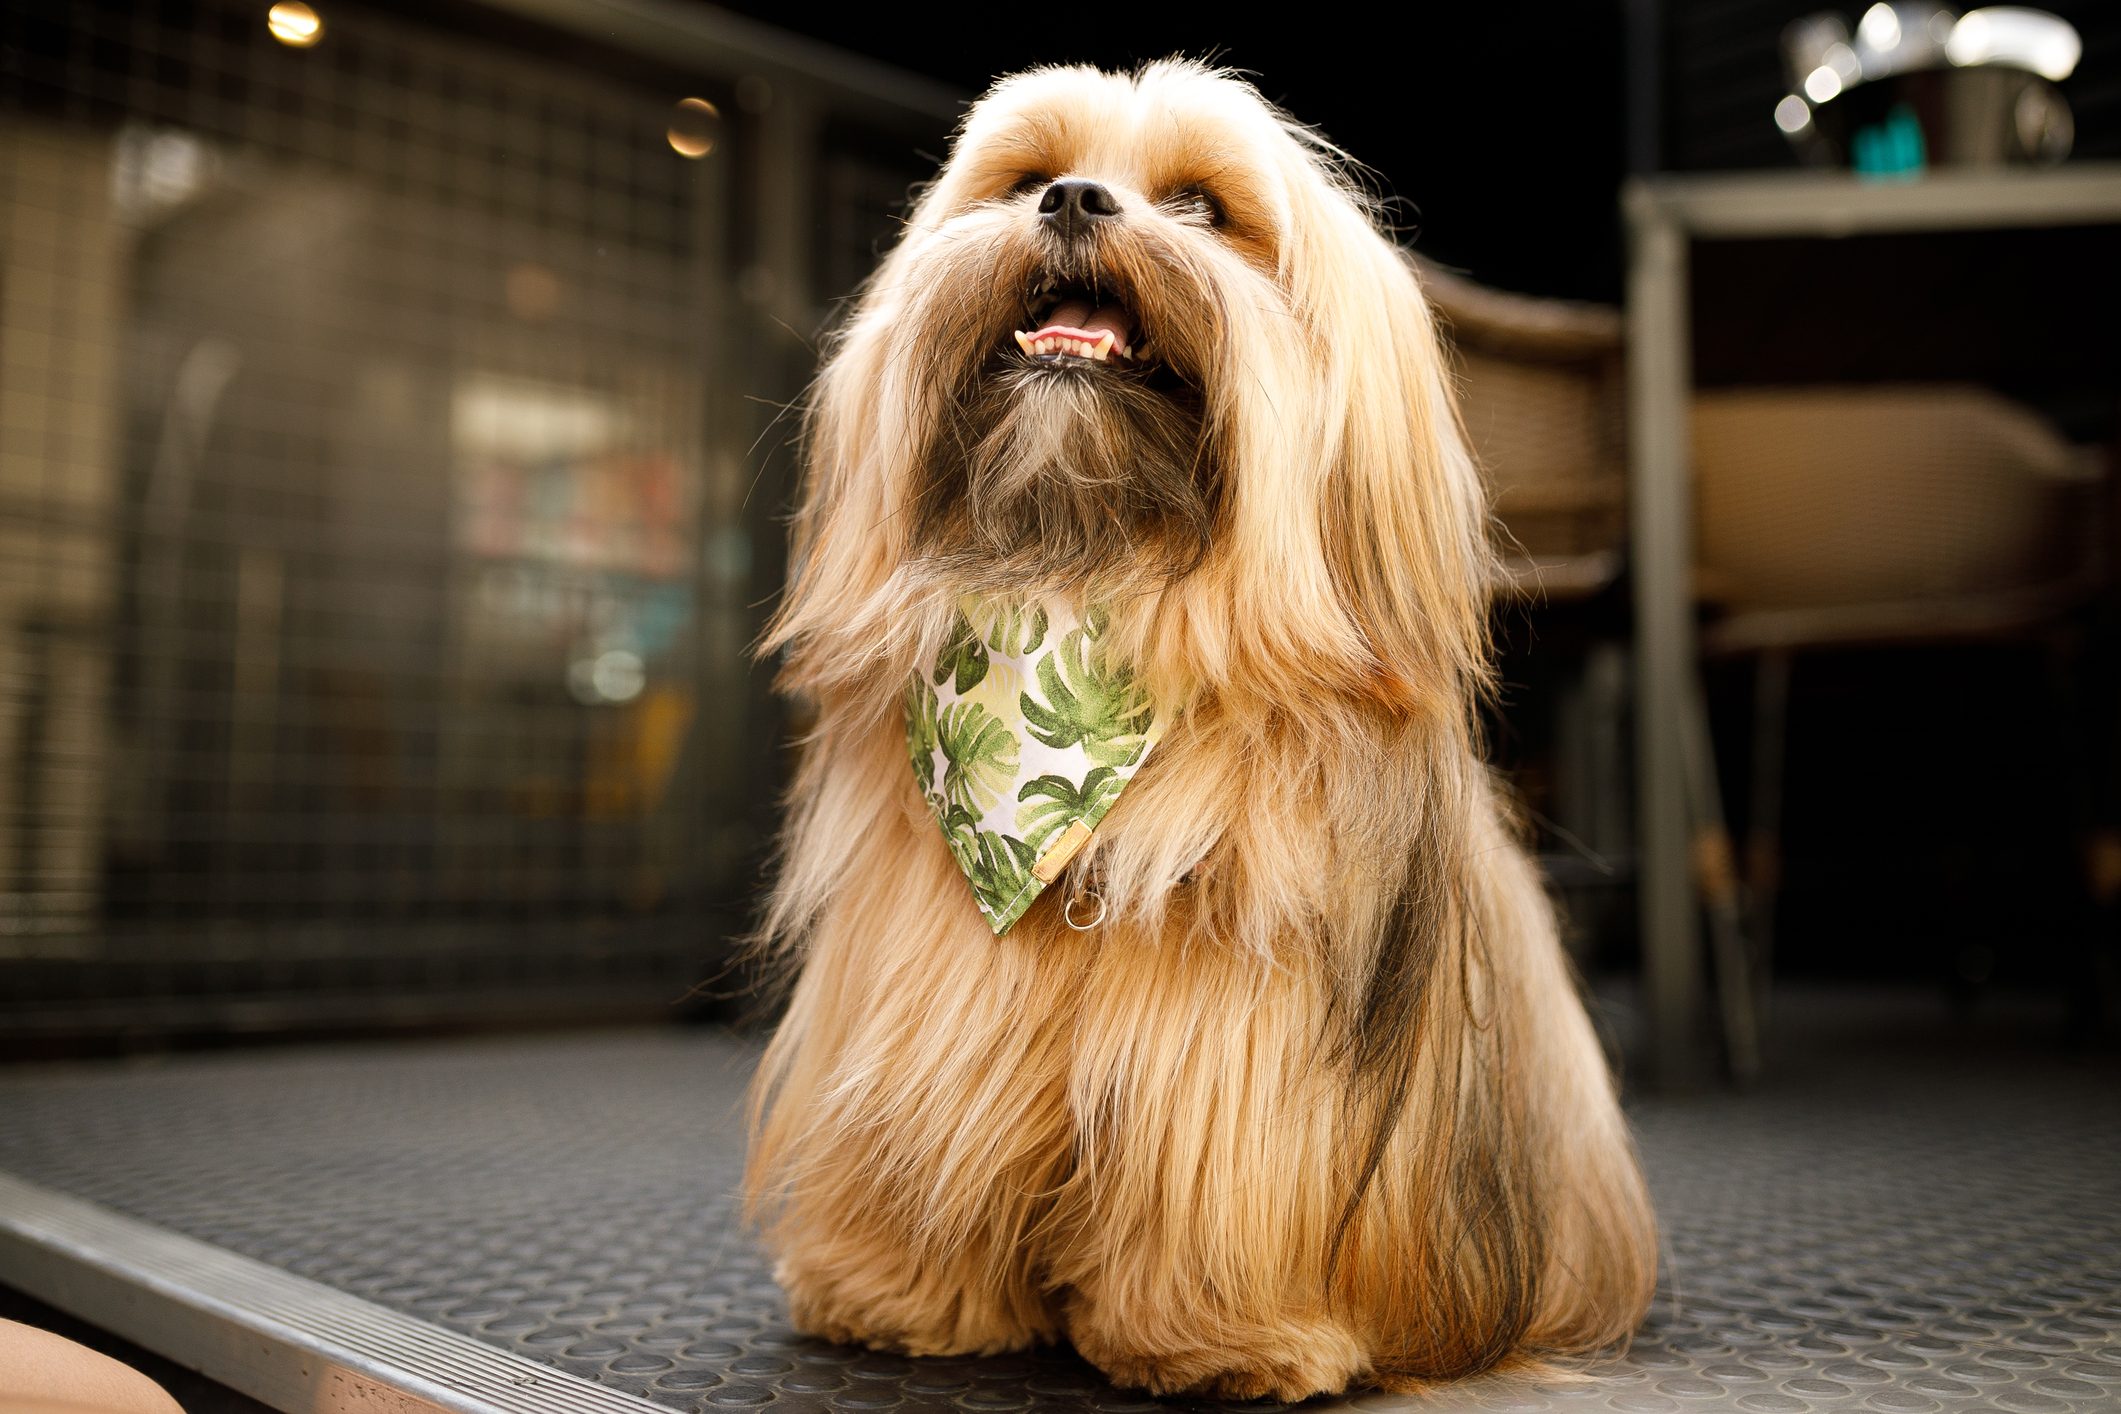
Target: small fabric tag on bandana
1021 737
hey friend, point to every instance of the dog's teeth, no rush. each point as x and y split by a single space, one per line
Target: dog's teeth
1023 341
1103 346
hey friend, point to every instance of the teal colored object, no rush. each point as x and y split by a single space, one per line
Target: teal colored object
1892 150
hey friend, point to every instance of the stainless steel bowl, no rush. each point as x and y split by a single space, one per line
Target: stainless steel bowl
1917 85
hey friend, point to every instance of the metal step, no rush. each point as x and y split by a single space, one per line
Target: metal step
1903 1221
285 1340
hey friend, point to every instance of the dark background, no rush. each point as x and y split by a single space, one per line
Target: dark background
1504 130
1500 129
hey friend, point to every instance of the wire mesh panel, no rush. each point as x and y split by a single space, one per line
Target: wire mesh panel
376 565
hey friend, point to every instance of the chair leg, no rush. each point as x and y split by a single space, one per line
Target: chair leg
1763 849
1716 871
1609 812
2085 694
1590 753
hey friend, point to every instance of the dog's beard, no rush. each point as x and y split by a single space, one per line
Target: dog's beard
1060 470
1062 475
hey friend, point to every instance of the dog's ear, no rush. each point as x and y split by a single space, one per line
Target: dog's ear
845 540
1406 515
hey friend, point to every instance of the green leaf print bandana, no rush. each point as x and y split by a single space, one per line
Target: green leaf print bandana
1021 740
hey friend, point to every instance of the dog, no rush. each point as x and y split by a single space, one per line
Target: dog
1251 1064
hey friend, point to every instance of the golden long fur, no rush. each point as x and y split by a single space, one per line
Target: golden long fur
1317 1105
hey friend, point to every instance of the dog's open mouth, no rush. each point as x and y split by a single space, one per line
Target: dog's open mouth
1080 325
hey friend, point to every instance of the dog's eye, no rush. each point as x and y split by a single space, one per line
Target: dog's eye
1195 204
1029 182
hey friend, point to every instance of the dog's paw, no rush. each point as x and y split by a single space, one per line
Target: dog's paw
1293 1363
912 1322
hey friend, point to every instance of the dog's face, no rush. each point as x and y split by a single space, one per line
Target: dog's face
1087 275
1143 332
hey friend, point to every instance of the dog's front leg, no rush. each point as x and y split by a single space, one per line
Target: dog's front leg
1202 1206
914 1132
867 1284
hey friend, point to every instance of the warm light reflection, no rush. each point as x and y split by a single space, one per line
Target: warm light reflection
1880 27
1793 114
294 24
1822 84
693 123
1809 42
2026 39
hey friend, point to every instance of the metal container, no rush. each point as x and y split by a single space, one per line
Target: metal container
1919 86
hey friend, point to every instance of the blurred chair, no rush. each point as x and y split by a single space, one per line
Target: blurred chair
1543 393
1827 516
1542 386
1872 516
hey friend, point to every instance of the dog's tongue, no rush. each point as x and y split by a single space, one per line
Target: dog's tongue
1077 315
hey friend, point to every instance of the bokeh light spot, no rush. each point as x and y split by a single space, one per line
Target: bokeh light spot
294 24
694 124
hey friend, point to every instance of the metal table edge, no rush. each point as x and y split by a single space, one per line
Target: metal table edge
1829 204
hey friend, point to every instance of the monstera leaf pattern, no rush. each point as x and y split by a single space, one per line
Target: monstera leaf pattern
964 659
979 755
1089 704
1020 732
1053 803
1001 874
997 866
1018 630
921 736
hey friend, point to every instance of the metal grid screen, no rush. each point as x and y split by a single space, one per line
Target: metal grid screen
376 531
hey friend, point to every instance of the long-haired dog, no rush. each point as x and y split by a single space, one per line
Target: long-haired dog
1286 1086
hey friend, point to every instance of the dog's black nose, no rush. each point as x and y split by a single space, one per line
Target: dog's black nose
1073 205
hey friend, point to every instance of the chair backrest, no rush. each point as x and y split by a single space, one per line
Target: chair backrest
1817 497
1541 393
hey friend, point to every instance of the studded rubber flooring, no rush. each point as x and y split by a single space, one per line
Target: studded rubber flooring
1908 1218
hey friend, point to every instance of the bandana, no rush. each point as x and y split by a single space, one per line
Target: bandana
1021 739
